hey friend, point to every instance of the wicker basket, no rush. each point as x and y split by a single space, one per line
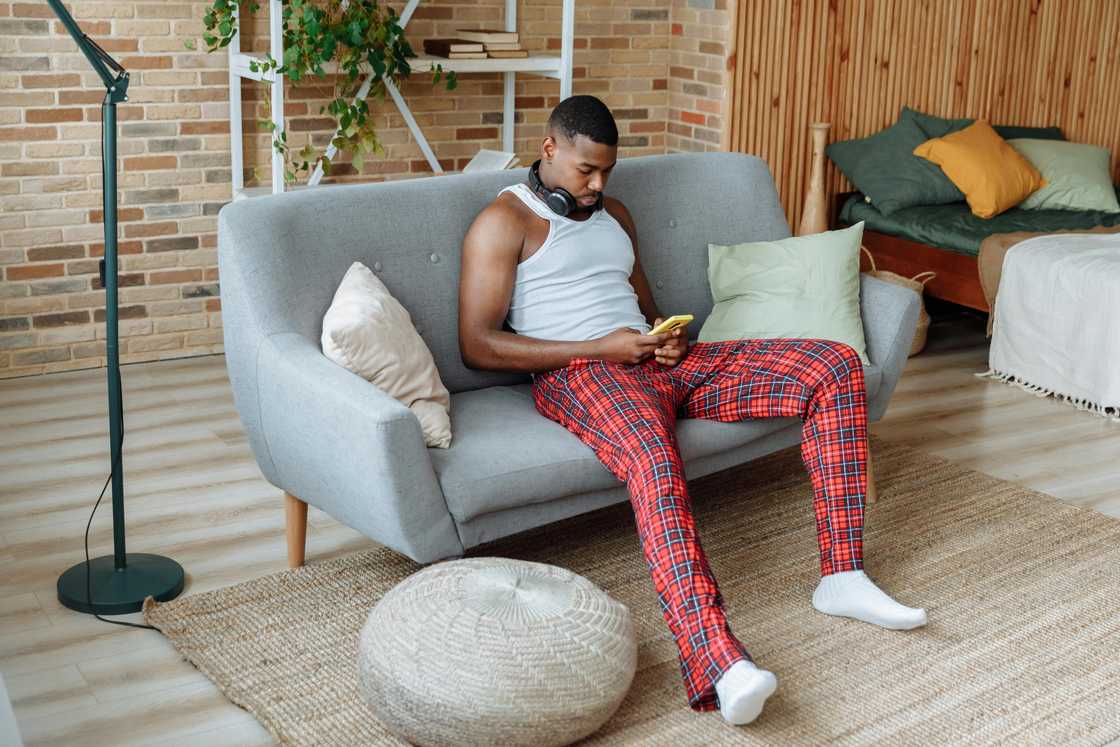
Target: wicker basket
916 284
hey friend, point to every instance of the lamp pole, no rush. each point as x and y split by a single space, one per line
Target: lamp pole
116 584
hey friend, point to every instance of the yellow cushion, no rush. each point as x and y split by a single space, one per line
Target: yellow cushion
992 175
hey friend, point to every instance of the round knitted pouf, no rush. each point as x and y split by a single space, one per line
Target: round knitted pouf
492 651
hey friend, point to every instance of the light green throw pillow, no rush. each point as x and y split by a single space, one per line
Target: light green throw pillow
801 287
1077 176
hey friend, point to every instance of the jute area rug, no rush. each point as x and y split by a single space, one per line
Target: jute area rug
1022 592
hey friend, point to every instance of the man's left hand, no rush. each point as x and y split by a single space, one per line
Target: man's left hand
674 349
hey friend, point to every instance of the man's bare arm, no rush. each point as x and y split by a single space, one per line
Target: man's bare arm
491 250
637 276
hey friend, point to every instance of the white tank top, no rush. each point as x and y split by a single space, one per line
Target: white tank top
577 285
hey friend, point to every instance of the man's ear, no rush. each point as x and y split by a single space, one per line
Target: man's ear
548 148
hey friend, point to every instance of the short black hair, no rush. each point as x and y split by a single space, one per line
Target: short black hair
584 115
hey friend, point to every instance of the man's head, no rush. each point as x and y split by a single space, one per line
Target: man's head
580 149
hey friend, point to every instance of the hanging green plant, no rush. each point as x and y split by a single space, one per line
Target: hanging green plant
359 36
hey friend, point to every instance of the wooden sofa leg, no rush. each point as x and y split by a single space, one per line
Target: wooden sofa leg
295 515
872 492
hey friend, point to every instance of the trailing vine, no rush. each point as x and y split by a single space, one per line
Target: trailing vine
359 37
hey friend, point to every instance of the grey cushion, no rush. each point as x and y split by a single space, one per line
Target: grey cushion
504 453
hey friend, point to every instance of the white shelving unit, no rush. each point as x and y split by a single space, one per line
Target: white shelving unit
550 66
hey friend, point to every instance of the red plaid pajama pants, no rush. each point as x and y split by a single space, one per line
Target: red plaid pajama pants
626 414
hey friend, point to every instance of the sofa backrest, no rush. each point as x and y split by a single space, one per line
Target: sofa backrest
290 251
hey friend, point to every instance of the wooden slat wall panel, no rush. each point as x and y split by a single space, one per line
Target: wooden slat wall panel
855 63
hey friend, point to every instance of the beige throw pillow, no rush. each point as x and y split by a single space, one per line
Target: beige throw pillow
370 333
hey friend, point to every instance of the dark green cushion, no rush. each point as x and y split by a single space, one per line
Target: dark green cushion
940 127
933 126
883 166
1009 132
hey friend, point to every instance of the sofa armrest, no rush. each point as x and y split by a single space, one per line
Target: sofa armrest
890 319
343 445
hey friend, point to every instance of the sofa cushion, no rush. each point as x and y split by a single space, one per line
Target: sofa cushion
505 454
992 175
368 332
934 126
1077 176
883 166
800 287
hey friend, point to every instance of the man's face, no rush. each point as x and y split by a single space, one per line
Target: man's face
581 166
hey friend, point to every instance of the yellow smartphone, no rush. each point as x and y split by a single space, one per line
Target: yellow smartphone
668 325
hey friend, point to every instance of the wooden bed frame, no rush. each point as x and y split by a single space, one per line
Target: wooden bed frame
958 279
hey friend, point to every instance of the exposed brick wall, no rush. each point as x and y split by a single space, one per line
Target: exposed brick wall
702 40
171 137
659 65
621 55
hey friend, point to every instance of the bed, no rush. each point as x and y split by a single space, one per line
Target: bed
946 239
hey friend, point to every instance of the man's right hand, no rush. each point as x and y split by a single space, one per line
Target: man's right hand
628 346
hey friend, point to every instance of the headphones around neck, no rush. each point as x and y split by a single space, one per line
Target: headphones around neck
559 200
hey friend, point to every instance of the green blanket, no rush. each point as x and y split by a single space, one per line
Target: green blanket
954 227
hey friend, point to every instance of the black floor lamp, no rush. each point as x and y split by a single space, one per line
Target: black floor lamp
118 583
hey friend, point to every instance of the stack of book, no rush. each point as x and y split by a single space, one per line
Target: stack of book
499 44
455 49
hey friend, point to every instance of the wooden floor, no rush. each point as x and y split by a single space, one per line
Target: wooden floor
196 495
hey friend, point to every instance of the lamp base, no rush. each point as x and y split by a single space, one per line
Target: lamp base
118 592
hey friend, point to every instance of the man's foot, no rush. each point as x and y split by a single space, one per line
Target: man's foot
743 690
853 594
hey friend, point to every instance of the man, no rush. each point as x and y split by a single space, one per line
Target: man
558 261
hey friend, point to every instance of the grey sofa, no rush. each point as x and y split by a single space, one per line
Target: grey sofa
334 441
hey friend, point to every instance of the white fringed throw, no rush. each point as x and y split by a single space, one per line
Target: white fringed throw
1057 320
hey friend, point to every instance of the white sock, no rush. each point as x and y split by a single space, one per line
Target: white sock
743 690
853 594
